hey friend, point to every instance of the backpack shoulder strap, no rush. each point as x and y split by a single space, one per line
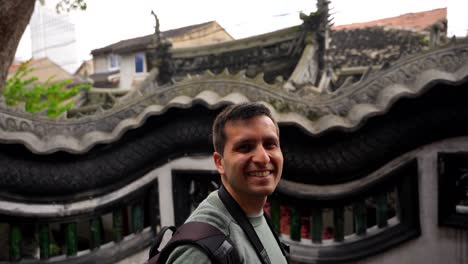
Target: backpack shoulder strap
157 240
204 236
238 214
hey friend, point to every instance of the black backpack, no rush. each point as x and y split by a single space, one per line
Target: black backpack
202 235
212 241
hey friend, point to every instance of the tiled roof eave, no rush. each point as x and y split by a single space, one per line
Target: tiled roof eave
316 113
133 44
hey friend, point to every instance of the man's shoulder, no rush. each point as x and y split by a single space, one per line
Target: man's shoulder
212 211
187 254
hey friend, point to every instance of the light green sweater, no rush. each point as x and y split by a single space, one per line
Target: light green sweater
212 211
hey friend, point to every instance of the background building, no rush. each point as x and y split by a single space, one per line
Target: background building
125 65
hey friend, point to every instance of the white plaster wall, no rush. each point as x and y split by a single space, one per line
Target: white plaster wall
128 77
164 175
127 70
210 34
436 244
137 258
100 64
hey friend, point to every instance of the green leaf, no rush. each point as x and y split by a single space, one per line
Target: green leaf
52 96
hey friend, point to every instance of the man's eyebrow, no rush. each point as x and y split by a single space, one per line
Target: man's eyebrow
243 141
272 137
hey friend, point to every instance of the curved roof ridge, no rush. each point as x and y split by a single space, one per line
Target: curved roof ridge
345 109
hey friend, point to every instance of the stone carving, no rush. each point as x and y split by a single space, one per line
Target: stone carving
381 45
345 108
254 59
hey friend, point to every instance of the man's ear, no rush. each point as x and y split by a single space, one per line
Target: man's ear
219 162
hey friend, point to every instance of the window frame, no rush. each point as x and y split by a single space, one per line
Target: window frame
113 59
143 63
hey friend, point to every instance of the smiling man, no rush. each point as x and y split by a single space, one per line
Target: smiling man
249 159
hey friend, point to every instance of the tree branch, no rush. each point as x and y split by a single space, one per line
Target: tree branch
14 17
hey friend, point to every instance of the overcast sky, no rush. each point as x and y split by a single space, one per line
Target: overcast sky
108 21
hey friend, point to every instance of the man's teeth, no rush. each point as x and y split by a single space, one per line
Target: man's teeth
260 173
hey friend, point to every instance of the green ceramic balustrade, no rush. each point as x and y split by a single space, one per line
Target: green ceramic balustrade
95 233
44 242
360 217
353 220
316 225
71 239
117 225
137 218
338 223
15 242
295 230
381 210
275 214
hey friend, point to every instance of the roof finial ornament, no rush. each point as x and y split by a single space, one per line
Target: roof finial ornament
161 56
320 20
316 30
157 32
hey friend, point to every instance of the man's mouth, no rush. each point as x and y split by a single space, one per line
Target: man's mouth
259 173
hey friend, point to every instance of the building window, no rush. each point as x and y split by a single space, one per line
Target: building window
139 63
114 61
453 189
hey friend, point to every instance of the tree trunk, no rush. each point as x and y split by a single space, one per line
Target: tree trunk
14 17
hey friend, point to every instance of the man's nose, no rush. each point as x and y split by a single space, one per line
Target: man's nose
261 155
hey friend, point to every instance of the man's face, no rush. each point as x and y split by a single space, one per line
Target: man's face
252 161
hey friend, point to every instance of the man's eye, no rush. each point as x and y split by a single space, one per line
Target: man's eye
270 145
244 148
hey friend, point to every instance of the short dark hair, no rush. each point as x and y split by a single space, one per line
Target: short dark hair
242 111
